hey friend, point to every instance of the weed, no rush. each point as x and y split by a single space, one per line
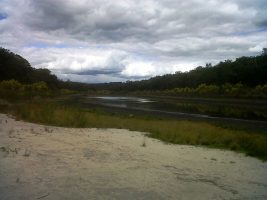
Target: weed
48 130
168 130
144 142
4 149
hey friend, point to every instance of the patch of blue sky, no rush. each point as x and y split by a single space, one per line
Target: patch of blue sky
61 46
3 16
44 46
41 45
100 46
143 56
247 33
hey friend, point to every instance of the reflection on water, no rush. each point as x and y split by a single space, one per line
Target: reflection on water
129 99
220 110
183 106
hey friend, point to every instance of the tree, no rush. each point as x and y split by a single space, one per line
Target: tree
264 52
13 66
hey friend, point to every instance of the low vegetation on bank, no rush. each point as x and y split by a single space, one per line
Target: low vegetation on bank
12 90
168 130
227 90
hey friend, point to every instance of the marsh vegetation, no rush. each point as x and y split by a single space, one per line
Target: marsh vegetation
175 131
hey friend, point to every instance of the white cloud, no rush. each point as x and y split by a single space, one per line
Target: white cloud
106 40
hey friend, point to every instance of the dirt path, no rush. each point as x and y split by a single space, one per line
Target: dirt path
41 162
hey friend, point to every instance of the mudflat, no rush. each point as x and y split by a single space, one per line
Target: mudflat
45 162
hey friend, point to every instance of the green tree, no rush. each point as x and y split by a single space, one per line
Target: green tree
10 89
264 52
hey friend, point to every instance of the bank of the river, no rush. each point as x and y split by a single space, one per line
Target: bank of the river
48 162
251 142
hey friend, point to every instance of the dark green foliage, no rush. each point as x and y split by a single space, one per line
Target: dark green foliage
75 86
237 90
13 90
226 90
45 76
13 66
10 89
248 71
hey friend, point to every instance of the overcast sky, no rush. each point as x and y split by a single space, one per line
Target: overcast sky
119 40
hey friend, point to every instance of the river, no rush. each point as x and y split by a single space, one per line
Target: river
229 110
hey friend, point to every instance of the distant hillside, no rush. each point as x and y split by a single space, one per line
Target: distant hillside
249 71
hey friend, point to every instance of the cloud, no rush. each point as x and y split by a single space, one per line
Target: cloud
125 40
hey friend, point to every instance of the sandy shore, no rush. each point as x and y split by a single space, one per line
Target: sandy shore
43 162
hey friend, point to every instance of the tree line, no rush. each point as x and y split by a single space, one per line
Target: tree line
248 71
243 77
13 66
227 90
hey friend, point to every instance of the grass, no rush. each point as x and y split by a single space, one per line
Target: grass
168 130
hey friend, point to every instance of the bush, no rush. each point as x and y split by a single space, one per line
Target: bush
10 89
13 90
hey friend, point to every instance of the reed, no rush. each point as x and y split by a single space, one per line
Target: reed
168 130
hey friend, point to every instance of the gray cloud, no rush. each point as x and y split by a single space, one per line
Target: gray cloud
131 39
97 72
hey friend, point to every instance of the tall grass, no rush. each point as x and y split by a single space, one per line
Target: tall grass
173 131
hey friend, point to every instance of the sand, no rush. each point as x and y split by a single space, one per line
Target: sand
44 162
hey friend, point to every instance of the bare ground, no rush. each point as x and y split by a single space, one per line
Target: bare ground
42 162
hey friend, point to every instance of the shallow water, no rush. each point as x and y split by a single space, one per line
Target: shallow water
197 108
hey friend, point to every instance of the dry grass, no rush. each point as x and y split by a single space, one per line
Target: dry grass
173 131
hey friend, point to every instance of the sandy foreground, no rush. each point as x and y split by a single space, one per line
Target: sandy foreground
44 162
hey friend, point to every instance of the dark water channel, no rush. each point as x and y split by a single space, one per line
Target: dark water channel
243 111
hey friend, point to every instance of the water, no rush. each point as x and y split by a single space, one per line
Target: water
186 107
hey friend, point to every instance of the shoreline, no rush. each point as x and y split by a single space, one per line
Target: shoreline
39 161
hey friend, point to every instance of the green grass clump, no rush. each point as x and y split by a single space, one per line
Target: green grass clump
168 130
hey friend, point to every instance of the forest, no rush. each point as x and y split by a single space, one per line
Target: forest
248 71
245 77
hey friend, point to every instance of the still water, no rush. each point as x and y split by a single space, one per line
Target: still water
197 108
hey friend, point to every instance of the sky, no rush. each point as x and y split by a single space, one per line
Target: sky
97 41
